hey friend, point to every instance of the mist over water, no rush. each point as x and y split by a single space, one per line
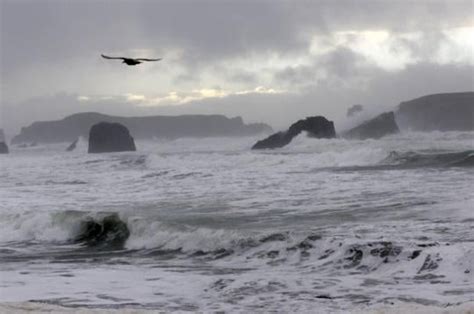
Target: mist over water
211 225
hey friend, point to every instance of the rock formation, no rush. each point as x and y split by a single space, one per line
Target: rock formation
382 125
318 127
438 112
72 146
170 127
353 110
109 232
107 137
3 148
3 143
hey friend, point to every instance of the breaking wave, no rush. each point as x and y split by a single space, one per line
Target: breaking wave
101 229
107 232
430 159
143 237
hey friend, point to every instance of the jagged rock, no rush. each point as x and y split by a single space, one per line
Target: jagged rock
276 140
108 232
3 144
148 127
72 147
380 126
318 127
110 137
438 112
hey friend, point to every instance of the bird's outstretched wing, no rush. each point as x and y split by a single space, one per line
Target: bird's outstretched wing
144 59
107 57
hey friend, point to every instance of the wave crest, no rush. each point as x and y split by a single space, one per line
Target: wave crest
415 159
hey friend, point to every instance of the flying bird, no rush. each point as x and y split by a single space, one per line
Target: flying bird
131 61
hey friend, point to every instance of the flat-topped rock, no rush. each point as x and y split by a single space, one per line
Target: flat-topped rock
438 112
318 127
105 137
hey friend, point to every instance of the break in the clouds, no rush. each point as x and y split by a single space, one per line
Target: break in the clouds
264 60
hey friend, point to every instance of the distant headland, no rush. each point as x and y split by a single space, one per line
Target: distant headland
147 127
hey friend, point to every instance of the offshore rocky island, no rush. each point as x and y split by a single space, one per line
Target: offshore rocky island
148 127
437 112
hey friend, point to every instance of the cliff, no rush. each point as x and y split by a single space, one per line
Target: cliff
438 112
171 127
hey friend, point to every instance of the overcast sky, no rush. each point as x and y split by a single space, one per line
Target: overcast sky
269 61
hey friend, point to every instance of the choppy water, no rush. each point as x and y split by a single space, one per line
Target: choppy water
320 225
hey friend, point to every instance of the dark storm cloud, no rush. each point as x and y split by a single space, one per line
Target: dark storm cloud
338 67
53 31
58 31
213 29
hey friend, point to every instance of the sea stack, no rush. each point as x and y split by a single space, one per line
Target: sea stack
380 126
147 127
105 137
3 143
318 127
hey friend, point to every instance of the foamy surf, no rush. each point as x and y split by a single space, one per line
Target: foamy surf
395 308
337 225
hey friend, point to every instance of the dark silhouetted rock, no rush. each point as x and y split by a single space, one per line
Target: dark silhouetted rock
276 140
380 126
108 232
3 143
72 147
318 127
3 148
352 111
438 112
107 137
169 127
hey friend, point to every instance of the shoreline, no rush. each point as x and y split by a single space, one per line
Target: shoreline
398 307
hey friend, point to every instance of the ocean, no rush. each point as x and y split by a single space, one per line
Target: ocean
321 226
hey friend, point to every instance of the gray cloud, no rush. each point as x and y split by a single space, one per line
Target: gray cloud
337 68
53 30
52 47
384 92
